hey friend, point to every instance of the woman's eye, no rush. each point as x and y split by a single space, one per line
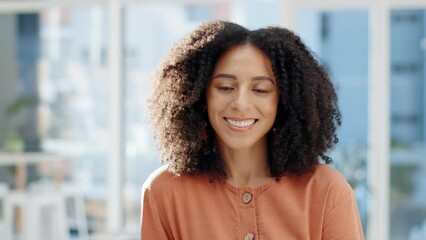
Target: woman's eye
260 91
225 89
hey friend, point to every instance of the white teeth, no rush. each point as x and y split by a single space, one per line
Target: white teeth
240 124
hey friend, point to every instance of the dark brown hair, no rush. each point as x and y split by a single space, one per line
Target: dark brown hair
307 117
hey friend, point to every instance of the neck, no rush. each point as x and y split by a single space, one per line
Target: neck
246 167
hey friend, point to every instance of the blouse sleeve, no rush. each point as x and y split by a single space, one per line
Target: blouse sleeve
342 222
151 225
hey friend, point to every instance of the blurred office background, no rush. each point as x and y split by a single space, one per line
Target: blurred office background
74 78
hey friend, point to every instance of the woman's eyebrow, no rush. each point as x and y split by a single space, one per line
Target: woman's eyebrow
263 78
230 76
225 75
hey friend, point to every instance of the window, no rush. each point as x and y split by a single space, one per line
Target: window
339 40
53 96
408 124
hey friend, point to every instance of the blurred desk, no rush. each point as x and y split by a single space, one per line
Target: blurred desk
21 160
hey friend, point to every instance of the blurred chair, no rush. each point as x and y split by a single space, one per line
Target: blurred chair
76 211
46 214
52 178
47 207
43 214
4 190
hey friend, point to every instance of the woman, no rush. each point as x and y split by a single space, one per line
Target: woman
242 119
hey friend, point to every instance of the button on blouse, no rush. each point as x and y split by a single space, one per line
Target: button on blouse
247 197
249 236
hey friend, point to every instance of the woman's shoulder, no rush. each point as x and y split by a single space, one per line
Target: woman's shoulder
323 179
330 177
327 173
332 183
159 184
162 180
158 178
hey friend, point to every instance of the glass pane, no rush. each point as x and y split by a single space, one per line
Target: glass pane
53 102
339 39
150 31
408 125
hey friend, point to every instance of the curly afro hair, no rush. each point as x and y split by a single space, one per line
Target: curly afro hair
307 116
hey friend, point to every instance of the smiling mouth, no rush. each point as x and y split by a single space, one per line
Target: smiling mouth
241 124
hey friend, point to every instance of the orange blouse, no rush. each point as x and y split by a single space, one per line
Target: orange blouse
316 205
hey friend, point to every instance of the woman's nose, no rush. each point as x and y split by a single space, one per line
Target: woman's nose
241 100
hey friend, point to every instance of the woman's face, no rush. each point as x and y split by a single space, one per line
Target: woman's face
242 97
